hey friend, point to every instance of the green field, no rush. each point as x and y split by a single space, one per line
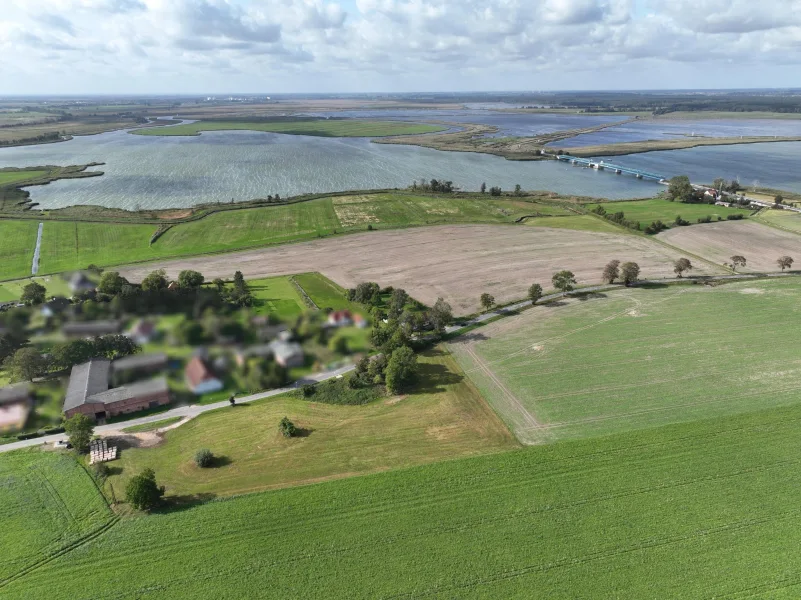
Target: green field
48 503
646 211
784 219
12 177
325 293
54 284
639 358
276 296
75 245
321 128
701 510
444 418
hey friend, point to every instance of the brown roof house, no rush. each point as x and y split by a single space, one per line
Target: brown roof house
15 406
199 377
88 392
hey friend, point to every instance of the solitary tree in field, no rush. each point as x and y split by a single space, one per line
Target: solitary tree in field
484 188
79 428
535 292
142 491
682 265
611 271
629 272
785 262
487 301
778 200
564 281
33 293
737 261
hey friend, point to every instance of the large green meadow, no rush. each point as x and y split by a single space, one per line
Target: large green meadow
48 504
637 358
74 245
657 209
698 510
320 128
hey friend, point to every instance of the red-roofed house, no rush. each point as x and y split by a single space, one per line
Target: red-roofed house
200 379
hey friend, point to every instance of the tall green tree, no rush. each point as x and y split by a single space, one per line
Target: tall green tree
401 370
564 281
611 271
441 314
680 188
79 428
397 301
535 292
190 279
681 266
157 280
487 301
26 364
33 293
785 262
111 283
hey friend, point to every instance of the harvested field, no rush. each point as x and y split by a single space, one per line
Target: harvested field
457 262
638 358
760 244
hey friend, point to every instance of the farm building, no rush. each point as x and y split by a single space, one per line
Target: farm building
199 377
88 329
288 354
15 406
88 392
259 351
130 368
340 318
81 283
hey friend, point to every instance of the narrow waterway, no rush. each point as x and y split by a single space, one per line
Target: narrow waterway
36 251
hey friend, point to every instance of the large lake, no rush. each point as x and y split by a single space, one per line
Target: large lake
161 172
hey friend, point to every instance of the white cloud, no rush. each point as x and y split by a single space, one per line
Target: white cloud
332 45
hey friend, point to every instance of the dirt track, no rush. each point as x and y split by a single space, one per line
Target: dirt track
760 244
457 262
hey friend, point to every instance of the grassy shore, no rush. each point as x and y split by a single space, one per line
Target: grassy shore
69 245
321 128
673 144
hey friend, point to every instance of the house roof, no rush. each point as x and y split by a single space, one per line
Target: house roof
86 380
92 327
339 315
133 390
143 327
12 394
197 372
285 350
139 361
258 350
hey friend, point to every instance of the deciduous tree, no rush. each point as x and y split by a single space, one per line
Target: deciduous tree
26 364
737 261
629 272
157 280
401 370
441 314
681 266
534 292
142 491
33 293
680 188
784 262
611 271
111 283
190 279
564 281
79 428
487 301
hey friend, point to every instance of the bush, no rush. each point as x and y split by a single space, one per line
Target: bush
706 219
681 222
734 217
655 227
287 428
142 492
307 390
204 458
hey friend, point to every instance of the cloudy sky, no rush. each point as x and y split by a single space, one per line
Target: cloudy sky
283 46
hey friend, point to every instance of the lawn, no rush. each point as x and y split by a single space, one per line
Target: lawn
54 284
325 293
17 243
443 418
647 211
47 503
276 296
152 426
14 177
576 223
700 510
639 358
321 128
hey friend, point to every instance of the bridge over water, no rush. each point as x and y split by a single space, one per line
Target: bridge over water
601 165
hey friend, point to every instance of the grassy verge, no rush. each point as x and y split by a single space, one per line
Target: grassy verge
152 426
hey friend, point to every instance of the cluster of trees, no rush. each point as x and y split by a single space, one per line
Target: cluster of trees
401 310
722 185
398 372
434 185
28 363
618 217
627 273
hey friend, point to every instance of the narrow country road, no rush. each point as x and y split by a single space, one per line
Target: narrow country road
191 410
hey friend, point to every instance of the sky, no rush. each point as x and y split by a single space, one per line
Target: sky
348 46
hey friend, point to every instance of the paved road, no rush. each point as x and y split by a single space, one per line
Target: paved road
191 410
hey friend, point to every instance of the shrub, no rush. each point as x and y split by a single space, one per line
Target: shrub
307 390
287 428
706 219
142 492
681 222
204 458
734 217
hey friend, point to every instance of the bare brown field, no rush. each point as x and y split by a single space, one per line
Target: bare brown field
760 244
457 262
